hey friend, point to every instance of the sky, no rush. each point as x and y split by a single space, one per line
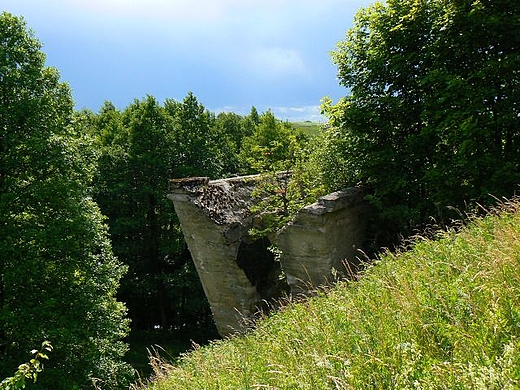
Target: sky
231 54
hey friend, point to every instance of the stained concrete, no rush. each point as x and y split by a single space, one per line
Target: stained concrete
239 274
323 241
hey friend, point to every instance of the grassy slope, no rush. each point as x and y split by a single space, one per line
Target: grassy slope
309 128
443 315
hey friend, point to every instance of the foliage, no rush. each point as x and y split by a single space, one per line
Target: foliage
230 131
443 315
280 154
271 206
196 142
28 370
309 128
431 120
58 274
271 147
142 148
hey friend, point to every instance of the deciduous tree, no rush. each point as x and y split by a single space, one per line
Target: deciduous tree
142 148
432 116
58 274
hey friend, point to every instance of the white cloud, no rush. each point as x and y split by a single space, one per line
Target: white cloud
275 62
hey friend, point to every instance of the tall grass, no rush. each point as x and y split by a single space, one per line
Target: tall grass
443 315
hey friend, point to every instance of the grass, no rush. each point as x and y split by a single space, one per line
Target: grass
310 129
443 315
170 345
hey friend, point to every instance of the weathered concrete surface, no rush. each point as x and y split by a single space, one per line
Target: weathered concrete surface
214 220
237 274
323 239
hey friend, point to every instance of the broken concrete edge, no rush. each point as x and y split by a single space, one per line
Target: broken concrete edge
336 200
330 203
228 200
224 201
189 183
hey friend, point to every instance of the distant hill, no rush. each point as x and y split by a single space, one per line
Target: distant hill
309 128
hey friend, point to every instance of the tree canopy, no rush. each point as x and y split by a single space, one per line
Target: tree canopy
431 121
58 274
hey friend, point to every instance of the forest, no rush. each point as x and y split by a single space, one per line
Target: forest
91 251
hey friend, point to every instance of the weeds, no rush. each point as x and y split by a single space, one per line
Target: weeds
445 314
28 372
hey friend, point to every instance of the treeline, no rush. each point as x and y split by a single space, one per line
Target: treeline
140 148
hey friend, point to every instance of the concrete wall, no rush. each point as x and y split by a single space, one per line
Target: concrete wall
237 273
214 222
322 241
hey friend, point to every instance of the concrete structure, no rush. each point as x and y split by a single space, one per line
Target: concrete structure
323 240
239 274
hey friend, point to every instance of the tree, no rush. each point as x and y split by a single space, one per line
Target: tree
196 142
272 146
279 153
253 115
58 274
431 120
155 237
230 131
140 153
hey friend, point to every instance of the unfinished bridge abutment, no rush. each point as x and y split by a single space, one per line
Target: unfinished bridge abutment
238 273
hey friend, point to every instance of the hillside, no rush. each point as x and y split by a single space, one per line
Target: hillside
310 129
445 314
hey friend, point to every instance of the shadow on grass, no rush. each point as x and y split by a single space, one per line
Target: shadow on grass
169 344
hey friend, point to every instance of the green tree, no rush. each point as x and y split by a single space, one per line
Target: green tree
155 236
431 120
58 274
253 115
230 131
280 154
195 139
140 153
272 146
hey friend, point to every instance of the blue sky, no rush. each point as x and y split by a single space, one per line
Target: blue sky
232 54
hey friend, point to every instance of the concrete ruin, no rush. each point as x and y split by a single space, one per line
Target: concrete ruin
239 274
323 240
